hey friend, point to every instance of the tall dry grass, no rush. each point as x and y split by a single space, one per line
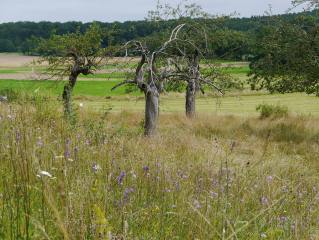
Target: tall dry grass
97 177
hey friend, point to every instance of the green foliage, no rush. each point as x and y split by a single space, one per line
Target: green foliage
6 46
272 111
287 56
230 44
74 52
22 35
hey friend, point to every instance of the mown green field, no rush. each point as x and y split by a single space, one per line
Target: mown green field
94 91
83 88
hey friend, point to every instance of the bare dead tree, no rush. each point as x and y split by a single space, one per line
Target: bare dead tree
188 50
149 78
308 4
185 59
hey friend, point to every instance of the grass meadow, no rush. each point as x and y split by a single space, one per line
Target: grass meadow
216 177
227 174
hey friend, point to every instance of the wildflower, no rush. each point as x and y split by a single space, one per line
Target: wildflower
121 178
213 194
269 179
18 136
67 153
45 174
283 219
263 235
146 168
127 192
264 201
285 189
81 105
87 142
39 142
197 204
96 167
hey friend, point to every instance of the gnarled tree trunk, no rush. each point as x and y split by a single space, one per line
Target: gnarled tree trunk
190 99
151 110
67 94
192 85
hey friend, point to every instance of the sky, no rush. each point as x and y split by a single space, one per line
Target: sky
121 10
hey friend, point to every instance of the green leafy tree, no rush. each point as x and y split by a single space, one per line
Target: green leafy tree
70 55
287 57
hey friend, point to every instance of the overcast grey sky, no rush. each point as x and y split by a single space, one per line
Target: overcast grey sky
120 10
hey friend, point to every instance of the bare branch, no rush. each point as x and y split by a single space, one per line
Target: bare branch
123 83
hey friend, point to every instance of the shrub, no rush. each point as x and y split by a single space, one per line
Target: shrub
273 111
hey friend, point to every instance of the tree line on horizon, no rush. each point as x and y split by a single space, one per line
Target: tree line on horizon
228 38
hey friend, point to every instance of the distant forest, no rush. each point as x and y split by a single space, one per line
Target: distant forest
229 38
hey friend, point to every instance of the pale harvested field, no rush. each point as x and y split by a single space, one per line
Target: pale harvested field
15 60
18 67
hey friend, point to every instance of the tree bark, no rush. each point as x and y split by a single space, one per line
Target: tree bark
151 110
192 85
67 93
190 99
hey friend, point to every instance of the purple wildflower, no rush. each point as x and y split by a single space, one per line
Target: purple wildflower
264 201
213 194
67 153
146 168
269 179
127 192
120 178
283 219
